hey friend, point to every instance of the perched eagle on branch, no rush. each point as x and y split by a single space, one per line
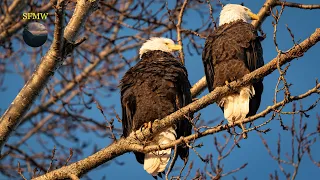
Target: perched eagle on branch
155 87
232 51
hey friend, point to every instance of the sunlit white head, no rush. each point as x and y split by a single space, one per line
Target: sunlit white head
234 12
159 43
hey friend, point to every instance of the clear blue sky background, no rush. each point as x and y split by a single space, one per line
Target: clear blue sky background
302 74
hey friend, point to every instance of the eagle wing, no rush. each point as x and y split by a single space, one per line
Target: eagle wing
208 61
184 126
128 99
254 53
128 110
254 60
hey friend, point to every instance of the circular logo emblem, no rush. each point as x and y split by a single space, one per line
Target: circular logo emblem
35 34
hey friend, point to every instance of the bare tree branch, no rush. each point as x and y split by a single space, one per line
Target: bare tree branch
298 5
179 39
50 62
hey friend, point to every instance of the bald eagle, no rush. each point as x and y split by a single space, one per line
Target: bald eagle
232 51
155 87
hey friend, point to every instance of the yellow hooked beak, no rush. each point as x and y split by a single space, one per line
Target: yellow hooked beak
174 47
252 15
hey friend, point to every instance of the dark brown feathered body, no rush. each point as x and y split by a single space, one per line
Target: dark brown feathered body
154 88
230 52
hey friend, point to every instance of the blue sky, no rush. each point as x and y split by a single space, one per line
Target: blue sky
302 74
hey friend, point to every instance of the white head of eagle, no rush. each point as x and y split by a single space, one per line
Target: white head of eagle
159 43
234 12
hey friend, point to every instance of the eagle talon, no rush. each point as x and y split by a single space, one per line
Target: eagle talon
144 126
221 102
147 125
244 131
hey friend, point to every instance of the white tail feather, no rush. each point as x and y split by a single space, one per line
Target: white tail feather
155 162
236 106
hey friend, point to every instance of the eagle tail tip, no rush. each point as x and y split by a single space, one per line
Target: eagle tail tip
156 162
236 106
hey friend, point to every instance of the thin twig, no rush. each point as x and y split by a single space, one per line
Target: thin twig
179 38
